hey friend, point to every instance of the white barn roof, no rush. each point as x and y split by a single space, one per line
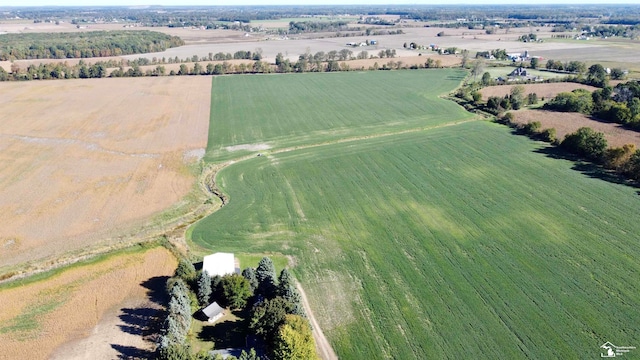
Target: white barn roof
219 264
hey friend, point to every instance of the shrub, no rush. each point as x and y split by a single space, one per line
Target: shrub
532 128
579 100
586 142
185 271
548 135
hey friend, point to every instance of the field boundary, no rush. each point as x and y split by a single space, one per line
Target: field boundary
323 347
169 229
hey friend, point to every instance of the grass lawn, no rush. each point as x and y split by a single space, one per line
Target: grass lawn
228 332
459 239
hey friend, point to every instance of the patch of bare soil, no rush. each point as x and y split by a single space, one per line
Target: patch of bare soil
87 160
250 147
566 123
547 90
97 311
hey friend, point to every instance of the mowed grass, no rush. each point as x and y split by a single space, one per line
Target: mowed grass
458 241
299 109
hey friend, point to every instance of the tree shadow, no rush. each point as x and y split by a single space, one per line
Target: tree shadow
156 289
587 168
227 334
141 321
132 352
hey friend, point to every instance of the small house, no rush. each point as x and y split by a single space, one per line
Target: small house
213 312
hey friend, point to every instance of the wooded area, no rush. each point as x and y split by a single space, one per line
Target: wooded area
83 44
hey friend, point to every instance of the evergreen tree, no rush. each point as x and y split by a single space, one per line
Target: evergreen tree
179 313
288 291
250 274
251 355
266 275
204 288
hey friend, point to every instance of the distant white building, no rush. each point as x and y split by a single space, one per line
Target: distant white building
219 264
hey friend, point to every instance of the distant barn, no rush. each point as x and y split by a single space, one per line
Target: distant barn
219 264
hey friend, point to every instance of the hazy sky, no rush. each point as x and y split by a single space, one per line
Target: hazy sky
296 2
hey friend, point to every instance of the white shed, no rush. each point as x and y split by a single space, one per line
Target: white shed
219 264
213 312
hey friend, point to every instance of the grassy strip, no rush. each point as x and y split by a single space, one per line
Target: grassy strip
137 248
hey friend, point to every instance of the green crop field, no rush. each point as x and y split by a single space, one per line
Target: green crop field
459 241
300 109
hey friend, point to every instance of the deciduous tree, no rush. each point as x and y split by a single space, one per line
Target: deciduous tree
236 290
294 340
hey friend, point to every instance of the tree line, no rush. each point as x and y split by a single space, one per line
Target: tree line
83 44
297 27
619 104
319 62
585 143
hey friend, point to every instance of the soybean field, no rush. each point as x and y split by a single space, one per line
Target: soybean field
278 111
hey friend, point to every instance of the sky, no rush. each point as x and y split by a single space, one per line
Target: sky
297 2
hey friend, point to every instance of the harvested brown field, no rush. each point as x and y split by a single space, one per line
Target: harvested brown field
85 161
40 317
566 123
546 91
445 61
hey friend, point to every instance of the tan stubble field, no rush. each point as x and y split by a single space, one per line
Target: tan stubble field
86 160
94 311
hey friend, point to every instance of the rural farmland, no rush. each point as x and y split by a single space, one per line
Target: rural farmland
440 239
110 153
353 165
283 111
53 311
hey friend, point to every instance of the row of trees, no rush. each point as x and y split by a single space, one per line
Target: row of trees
498 54
296 27
595 75
84 44
620 104
612 30
319 62
587 144
277 314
